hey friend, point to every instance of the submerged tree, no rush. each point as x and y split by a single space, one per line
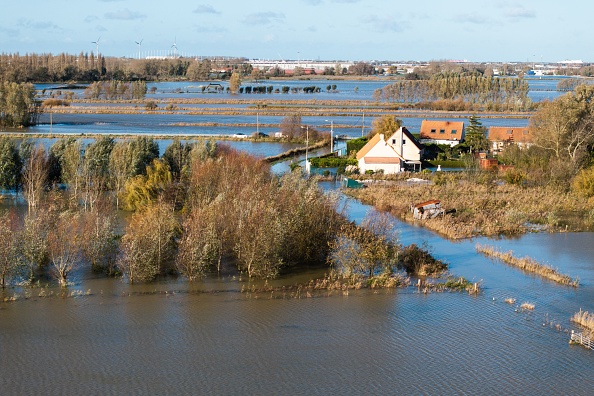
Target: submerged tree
63 246
234 82
199 247
35 177
10 164
100 243
18 107
11 264
368 249
141 191
95 170
148 246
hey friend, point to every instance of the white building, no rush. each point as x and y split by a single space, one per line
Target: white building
399 152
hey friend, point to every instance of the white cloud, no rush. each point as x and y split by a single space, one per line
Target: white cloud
384 23
473 18
264 18
205 9
125 14
520 12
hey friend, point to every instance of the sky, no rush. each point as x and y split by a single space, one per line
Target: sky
349 30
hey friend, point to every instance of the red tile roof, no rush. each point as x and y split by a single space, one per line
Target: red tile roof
442 130
509 134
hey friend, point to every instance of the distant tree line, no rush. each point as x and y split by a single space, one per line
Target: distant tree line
91 67
493 92
113 90
261 89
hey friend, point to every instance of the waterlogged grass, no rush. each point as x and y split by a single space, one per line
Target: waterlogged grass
526 306
461 284
46 293
332 283
528 264
479 204
584 319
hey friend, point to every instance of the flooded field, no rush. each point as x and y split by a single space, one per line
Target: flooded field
210 338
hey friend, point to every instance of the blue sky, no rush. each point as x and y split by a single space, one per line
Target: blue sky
355 30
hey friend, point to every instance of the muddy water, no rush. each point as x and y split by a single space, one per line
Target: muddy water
209 338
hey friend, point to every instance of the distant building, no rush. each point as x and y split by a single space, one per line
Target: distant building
442 132
401 151
499 137
309 66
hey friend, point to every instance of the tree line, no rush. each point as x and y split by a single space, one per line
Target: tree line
491 92
195 208
89 67
114 90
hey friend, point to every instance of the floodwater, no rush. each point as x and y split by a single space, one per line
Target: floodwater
180 122
172 337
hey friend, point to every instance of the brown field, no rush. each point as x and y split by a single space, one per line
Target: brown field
480 205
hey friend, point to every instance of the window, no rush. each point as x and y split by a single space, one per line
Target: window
433 131
442 131
525 131
510 132
403 141
454 131
394 142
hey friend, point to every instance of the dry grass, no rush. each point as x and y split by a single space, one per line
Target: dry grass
482 206
510 300
528 264
584 319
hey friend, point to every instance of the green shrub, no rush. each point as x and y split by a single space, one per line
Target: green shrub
583 182
515 176
356 144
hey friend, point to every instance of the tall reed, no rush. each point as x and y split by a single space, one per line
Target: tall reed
584 319
528 264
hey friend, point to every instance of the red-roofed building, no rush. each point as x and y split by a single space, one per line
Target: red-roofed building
499 137
442 132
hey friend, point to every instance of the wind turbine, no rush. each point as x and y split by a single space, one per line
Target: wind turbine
97 45
139 46
174 46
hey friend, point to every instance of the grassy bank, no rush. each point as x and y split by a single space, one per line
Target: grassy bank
479 204
528 264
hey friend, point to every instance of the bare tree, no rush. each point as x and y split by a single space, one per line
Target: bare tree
35 177
99 245
64 246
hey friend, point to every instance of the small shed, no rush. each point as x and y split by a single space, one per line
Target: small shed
427 209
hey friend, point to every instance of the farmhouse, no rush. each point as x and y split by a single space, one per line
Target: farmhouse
442 132
499 137
399 152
